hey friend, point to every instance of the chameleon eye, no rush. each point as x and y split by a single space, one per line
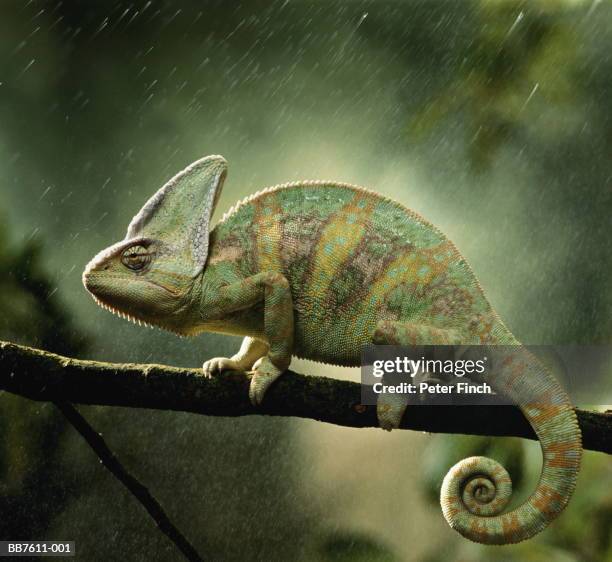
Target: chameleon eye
136 257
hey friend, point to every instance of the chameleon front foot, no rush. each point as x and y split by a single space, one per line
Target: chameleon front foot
217 365
264 374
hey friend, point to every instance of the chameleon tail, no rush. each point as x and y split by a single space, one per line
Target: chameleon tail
476 490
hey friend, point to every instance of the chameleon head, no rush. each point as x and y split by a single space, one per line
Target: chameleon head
136 280
149 277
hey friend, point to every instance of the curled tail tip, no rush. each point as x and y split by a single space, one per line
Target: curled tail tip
476 490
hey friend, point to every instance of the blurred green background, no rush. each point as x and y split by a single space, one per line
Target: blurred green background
491 118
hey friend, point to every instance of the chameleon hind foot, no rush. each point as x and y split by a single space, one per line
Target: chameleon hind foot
390 410
264 374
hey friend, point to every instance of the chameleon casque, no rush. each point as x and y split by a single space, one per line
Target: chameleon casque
318 269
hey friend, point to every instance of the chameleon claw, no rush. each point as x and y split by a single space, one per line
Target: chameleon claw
264 374
217 365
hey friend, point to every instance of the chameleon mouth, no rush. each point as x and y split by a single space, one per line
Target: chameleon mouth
122 314
94 289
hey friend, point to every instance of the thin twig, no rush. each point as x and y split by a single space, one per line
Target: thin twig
138 490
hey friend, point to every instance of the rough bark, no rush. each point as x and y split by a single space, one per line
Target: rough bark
40 375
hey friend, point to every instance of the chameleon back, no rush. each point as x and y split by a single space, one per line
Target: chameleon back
352 258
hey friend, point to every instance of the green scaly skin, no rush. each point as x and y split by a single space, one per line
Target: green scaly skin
317 270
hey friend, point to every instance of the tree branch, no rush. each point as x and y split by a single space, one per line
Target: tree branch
39 375
136 488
